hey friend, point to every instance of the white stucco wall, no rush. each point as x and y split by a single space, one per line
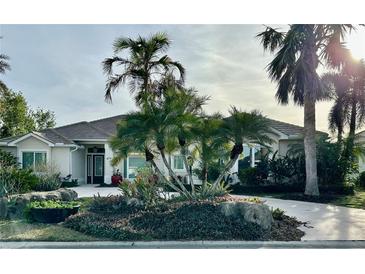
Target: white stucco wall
61 159
78 170
12 150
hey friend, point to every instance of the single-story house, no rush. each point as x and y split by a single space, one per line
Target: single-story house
82 150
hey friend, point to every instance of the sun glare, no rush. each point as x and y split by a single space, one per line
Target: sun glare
356 43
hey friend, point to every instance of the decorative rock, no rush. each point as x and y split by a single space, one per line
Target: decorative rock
21 200
134 202
259 214
3 207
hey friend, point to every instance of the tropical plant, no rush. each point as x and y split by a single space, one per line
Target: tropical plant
210 149
141 131
347 88
184 106
299 52
242 128
209 191
143 68
146 188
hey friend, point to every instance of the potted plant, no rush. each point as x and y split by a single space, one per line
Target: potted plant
51 211
117 178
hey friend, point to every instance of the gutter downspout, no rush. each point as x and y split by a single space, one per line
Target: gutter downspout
71 151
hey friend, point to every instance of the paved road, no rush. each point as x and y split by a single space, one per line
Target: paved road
327 222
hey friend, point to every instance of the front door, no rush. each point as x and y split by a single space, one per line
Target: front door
95 169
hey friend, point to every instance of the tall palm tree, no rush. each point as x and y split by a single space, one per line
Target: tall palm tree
347 88
243 128
145 64
298 53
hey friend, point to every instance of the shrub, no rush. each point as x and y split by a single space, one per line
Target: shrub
209 191
14 180
114 204
53 204
251 176
277 213
362 179
7 159
48 178
145 188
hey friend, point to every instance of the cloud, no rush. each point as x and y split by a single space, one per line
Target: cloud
59 67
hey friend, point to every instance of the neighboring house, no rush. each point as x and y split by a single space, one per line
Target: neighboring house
82 149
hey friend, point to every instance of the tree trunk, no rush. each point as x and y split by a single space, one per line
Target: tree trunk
226 169
173 175
163 177
190 176
311 186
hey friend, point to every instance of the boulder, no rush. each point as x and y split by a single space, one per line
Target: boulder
3 207
259 214
20 201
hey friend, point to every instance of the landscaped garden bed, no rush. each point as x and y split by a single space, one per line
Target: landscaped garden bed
201 220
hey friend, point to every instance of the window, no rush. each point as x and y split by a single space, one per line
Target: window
135 162
178 162
33 159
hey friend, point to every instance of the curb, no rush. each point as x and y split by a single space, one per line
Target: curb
183 245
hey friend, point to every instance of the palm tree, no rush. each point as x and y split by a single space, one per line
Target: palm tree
134 136
348 89
4 66
240 128
210 146
299 51
185 106
144 66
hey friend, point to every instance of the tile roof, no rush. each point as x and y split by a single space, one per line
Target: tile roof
106 127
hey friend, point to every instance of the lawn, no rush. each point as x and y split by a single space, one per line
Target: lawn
356 200
21 230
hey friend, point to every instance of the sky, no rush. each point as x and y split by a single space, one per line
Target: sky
58 67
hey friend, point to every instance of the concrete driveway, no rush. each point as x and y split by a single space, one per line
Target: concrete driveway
91 190
327 222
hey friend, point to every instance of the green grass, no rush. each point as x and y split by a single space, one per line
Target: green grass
20 230
356 200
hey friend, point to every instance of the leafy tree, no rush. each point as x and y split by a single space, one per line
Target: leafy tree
143 68
43 119
298 53
16 117
243 128
4 66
